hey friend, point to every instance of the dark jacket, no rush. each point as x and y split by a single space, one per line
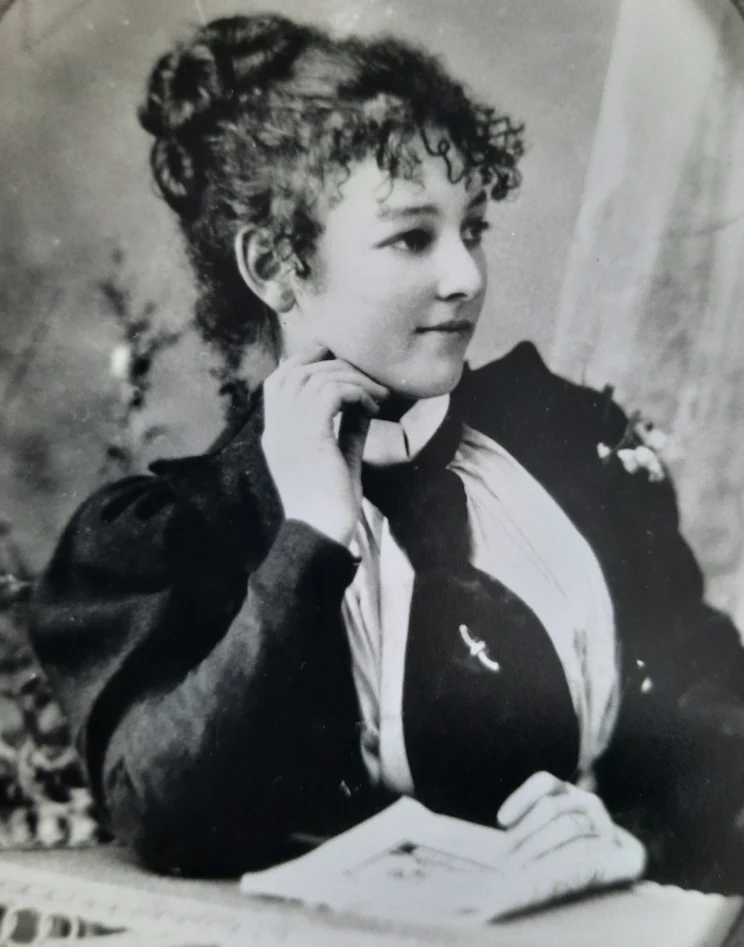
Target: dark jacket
194 638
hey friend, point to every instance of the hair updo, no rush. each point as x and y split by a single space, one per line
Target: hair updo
252 116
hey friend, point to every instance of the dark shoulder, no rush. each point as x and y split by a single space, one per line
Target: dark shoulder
519 393
564 431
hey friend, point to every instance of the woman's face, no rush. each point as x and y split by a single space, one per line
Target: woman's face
399 277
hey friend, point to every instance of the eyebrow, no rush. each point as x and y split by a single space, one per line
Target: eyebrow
416 210
412 210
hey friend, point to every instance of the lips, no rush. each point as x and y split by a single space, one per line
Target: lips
454 326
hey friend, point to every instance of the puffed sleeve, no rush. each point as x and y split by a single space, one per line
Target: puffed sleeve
674 772
191 686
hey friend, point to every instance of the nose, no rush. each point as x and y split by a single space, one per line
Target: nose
462 272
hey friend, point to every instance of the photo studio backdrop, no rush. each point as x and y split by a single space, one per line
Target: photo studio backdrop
622 256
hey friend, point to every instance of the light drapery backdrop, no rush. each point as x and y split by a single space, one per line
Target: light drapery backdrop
653 291
621 256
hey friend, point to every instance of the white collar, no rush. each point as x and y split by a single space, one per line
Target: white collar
394 442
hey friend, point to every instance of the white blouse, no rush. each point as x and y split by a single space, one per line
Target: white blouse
520 536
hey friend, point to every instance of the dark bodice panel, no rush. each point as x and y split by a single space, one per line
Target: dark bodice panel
474 734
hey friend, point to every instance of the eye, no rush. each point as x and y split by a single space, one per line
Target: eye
413 241
472 232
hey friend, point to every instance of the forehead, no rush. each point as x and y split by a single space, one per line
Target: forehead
367 192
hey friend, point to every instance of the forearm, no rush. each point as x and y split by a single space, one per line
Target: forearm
200 773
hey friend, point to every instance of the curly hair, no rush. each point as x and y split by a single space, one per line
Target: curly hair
253 117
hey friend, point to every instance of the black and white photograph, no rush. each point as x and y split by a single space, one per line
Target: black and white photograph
372 473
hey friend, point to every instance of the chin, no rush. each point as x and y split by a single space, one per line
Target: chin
431 384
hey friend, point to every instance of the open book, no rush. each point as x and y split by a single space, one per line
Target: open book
409 865
406 863
399 899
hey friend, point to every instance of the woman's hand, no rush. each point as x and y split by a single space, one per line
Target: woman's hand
317 471
562 841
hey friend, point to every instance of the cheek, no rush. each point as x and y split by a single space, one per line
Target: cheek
366 308
365 332
398 299
378 309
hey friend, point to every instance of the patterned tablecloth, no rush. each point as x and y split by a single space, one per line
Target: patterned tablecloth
100 895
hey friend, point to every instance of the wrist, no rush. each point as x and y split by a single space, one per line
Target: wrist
303 572
325 518
302 550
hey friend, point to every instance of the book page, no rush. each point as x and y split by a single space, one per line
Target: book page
410 865
406 863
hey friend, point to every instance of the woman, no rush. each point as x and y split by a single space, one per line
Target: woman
392 575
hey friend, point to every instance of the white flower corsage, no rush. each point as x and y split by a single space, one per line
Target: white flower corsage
637 448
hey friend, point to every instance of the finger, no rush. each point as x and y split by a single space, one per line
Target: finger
529 793
595 809
566 829
357 370
597 862
634 855
324 397
341 372
313 353
585 808
534 826
326 401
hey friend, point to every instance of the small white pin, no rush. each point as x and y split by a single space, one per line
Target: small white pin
478 649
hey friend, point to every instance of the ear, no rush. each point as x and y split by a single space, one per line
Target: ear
269 279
